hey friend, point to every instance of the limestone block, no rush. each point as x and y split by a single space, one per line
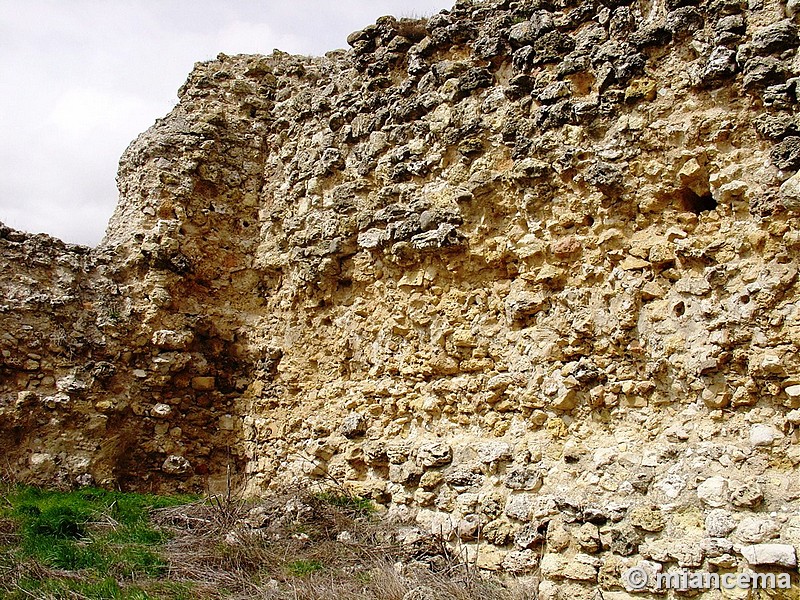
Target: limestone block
790 193
520 507
770 554
172 340
719 523
764 435
434 454
558 537
746 494
754 530
520 561
647 518
713 491
581 567
588 538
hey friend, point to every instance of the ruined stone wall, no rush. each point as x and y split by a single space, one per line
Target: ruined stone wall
524 273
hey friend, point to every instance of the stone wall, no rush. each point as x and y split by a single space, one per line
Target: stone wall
524 273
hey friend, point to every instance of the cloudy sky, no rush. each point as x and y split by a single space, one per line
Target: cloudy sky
79 79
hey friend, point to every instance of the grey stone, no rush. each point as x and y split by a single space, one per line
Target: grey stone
354 425
491 452
715 547
524 478
762 71
622 540
733 23
719 523
775 126
530 535
523 33
520 507
444 236
161 411
604 176
551 46
554 92
775 38
786 154
684 21
721 64
464 475
434 454
522 305
790 193
172 340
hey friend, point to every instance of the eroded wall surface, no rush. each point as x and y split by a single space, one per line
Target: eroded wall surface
525 273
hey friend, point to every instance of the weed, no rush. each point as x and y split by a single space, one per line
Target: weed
355 505
96 544
303 568
104 589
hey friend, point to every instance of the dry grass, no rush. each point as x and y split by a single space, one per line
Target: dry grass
295 545
301 553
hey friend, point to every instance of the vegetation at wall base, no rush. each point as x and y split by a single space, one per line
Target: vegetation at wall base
300 544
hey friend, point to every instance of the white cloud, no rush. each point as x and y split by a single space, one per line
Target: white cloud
80 79
240 37
81 112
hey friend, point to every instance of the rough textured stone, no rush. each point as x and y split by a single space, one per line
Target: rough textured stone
775 37
719 523
519 273
434 454
648 518
790 193
176 465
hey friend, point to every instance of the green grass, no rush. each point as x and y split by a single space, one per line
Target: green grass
101 545
105 589
355 505
302 568
104 539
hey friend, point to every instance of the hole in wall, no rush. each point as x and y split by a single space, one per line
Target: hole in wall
679 309
694 203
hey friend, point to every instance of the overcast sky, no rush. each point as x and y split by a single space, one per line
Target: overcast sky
80 79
